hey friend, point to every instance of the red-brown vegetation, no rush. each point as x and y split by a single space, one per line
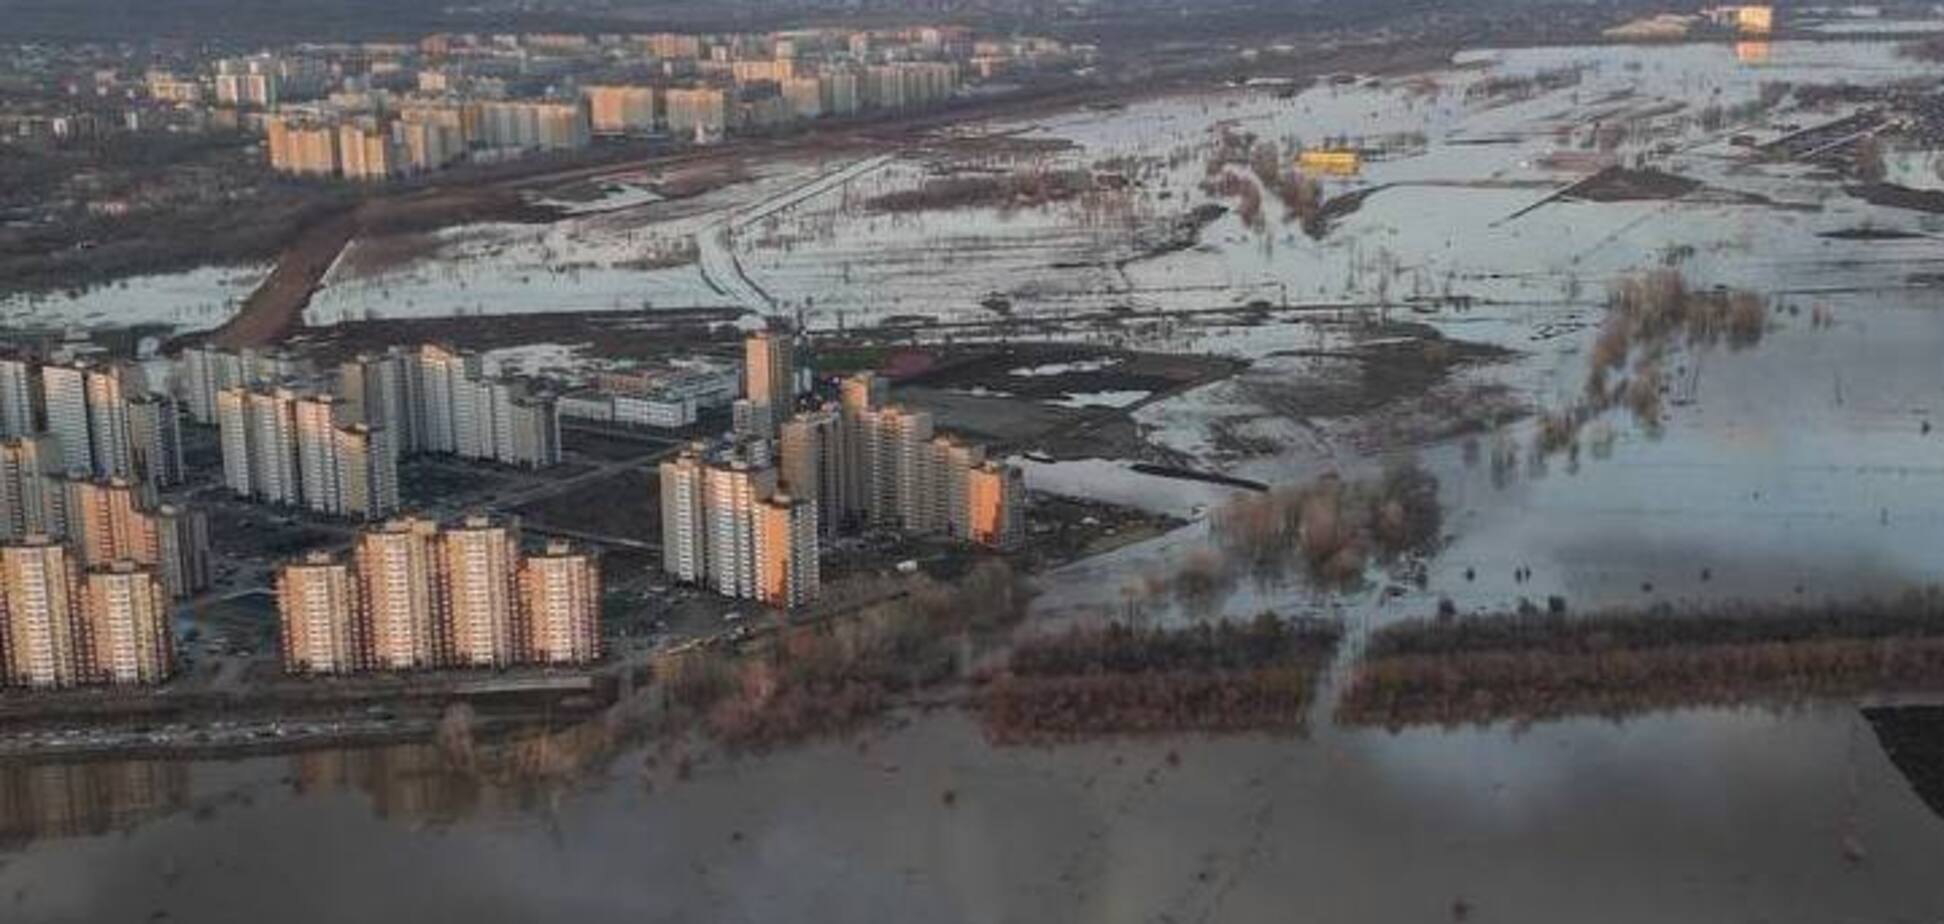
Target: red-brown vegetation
1122 680
1334 526
1023 189
828 678
1526 667
1649 316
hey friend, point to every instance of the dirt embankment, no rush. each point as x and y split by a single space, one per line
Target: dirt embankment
276 308
1890 195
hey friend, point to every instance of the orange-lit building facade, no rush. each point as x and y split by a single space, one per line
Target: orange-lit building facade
418 596
63 627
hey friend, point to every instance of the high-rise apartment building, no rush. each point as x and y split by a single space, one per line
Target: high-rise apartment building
697 112
30 499
620 110
255 82
996 505
106 521
205 372
318 477
946 485
734 491
110 520
384 390
112 451
725 526
427 140
442 372
65 391
526 125
259 440
684 510
898 458
19 398
561 593
897 473
366 463
302 146
284 447
127 613
401 595
155 440
481 568
40 603
317 604
367 152
788 569
769 379
812 464
181 549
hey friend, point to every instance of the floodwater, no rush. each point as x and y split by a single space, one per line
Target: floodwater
1702 816
1798 468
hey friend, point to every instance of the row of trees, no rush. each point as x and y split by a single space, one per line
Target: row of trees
1526 667
1119 679
829 677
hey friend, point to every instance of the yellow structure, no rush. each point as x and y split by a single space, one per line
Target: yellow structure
1330 162
1754 20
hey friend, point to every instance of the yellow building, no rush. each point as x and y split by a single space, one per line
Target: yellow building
1753 20
1330 162
621 110
302 147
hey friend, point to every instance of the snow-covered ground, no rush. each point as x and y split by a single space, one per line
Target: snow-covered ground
193 301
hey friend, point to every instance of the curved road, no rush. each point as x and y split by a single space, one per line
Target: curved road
716 243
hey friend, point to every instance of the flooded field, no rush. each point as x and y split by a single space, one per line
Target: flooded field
1447 300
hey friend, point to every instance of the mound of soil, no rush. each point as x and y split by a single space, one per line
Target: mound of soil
1890 195
1621 184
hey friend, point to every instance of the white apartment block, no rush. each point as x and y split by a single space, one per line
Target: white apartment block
19 395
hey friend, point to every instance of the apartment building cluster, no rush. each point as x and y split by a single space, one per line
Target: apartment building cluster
102 418
375 142
406 110
418 595
103 520
63 624
296 448
442 401
331 443
84 453
746 517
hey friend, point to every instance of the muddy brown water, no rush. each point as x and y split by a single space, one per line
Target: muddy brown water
1694 816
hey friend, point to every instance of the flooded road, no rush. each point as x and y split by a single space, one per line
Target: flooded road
1702 816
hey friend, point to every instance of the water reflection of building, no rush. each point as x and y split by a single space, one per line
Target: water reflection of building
1753 52
422 783
407 782
88 798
